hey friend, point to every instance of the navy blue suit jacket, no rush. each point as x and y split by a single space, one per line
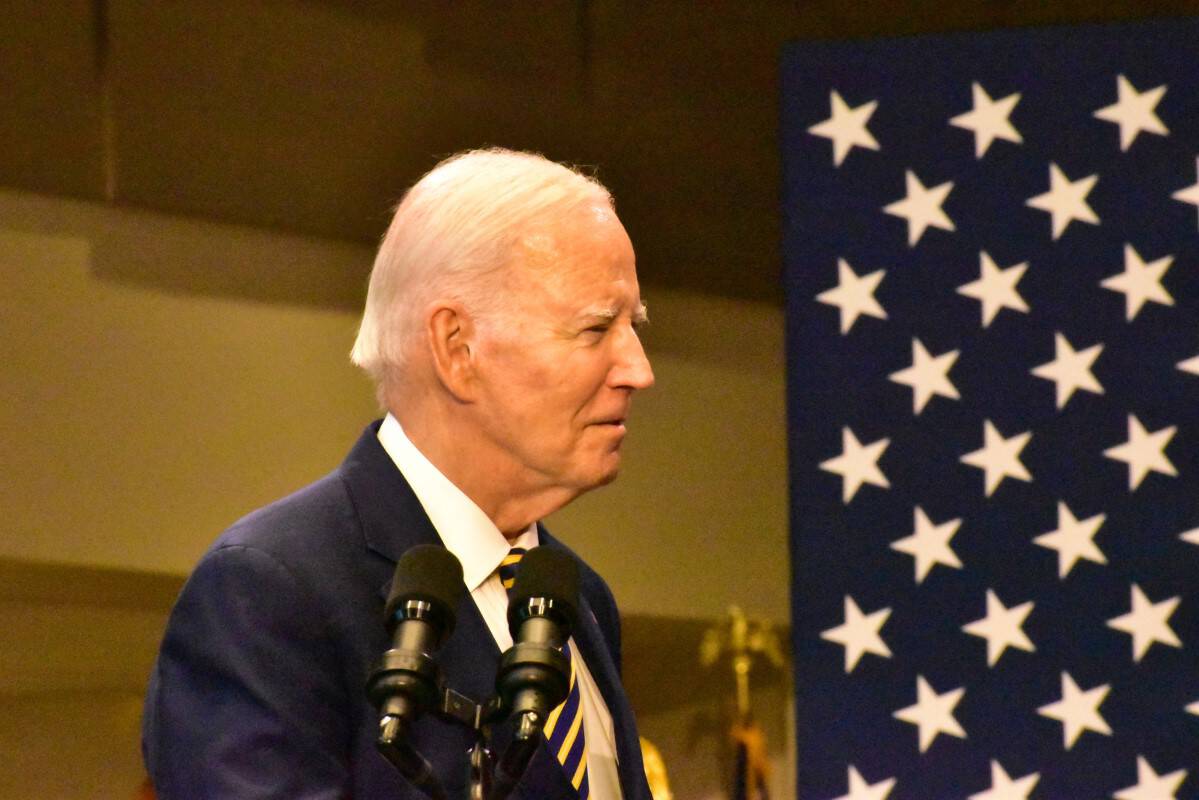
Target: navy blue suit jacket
258 690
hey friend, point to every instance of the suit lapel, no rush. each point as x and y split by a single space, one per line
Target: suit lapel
393 521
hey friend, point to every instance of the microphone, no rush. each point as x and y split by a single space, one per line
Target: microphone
534 674
406 682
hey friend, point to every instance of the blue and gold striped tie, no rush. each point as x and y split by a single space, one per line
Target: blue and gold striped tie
564 726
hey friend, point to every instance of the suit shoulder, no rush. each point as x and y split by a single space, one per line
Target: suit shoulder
307 526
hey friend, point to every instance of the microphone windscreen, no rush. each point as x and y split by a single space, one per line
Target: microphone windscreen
551 573
431 573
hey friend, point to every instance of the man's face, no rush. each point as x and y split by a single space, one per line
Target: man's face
559 370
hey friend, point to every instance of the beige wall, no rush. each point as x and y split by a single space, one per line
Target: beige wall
138 423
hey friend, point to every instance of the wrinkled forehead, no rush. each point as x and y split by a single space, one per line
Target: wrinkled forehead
589 244
561 271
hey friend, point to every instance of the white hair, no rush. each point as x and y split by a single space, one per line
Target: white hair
453 230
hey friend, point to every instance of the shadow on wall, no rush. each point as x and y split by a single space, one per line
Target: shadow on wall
179 255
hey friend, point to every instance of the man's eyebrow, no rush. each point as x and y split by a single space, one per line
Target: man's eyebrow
640 315
600 314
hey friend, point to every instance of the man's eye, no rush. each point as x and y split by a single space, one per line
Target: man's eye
598 329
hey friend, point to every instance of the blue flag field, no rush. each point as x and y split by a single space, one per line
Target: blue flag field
991 248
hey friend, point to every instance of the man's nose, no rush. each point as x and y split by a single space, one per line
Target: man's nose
632 369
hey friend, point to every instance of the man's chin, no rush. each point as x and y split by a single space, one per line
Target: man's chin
603 474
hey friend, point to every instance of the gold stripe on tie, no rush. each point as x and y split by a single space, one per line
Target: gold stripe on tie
577 778
552 719
564 750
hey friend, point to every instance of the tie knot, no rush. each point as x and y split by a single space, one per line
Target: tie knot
510 565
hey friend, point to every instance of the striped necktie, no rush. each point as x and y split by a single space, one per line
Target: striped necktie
564 726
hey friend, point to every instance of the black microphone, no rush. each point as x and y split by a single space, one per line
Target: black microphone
534 674
406 682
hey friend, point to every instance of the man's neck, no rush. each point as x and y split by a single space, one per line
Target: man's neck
504 494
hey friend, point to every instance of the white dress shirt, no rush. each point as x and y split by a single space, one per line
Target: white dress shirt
470 535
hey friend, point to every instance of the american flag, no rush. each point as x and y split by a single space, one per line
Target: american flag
992 287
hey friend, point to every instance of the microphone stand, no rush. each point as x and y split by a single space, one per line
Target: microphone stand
453 707
394 745
532 680
516 758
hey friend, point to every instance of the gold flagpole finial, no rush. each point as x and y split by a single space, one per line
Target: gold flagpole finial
742 639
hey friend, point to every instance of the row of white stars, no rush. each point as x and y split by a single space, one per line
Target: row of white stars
1072 540
1070 371
1077 710
1149 786
996 289
999 458
989 119
1065 202
1147 623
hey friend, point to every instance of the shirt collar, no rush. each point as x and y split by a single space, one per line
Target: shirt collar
464 529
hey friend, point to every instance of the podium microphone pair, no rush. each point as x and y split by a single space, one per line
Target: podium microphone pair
532 679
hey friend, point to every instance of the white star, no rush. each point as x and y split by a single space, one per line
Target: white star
1193 708
1140 282
1150 785
1004 788
988 119
921 207
1191 193
860 790
1144 452
929 544
1070 369
1066 200
999 458
995 288
1133 111
1147 623
1190 365
854 295
932 713
1001 627
1073 540
1191 536
1078 711
846 127
927 376
859 633
857 464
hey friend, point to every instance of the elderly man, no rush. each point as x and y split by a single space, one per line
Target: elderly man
500 330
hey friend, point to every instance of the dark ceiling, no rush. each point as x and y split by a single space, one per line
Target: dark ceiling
311 117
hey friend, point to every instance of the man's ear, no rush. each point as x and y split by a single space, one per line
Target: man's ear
453 347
